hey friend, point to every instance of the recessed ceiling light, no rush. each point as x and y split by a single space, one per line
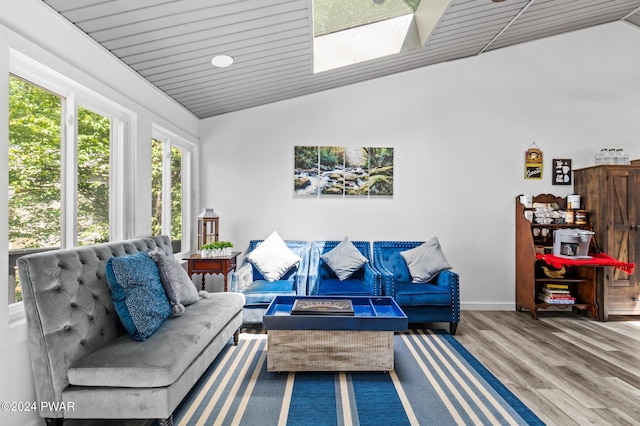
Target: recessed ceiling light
222 61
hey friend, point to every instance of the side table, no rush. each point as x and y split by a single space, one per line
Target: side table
196 264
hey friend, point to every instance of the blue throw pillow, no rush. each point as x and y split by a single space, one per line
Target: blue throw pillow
138 294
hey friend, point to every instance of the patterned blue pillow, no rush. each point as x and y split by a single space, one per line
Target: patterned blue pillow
137 294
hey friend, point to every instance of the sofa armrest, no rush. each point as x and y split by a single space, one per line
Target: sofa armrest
387 281
313 272
301 277
451 279
242 278
373 278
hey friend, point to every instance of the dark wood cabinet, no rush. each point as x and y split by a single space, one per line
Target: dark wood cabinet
611 195
533 238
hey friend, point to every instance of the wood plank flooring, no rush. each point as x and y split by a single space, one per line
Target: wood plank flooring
569 369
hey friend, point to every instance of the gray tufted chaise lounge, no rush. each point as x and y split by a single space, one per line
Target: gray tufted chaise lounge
84 363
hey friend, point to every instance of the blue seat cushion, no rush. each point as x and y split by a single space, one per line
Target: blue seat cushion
418 294
347 287
263 291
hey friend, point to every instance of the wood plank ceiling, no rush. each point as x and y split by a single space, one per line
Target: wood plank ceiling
171 42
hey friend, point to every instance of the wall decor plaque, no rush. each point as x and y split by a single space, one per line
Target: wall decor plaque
561 172
533 162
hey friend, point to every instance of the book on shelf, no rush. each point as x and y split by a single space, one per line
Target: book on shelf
552 291
556 286
560 300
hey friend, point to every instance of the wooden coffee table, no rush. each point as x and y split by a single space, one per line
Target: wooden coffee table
328 342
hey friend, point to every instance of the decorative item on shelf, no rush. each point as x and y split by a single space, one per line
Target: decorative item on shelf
582 217
208 226
533 162
551 272
573 202
569 217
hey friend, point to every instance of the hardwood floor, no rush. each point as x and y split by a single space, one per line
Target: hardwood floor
568 369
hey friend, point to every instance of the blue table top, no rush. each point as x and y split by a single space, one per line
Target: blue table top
375 313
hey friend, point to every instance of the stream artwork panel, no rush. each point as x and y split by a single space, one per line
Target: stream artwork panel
331 170
305 172
340 171
380 171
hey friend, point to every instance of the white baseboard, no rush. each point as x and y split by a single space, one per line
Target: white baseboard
488 306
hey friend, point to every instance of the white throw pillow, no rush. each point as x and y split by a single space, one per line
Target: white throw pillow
425 261
344 259
273 258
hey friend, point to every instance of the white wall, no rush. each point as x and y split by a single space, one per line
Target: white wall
459 130
31 28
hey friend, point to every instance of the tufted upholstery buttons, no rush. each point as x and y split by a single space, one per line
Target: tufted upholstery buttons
67 327
73 304
82 342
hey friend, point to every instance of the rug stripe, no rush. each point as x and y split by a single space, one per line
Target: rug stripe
445 399
403 399
286 401
202 392
226 381
377 401
456 384
450 386
513 403
347 417
313 401
249 390
470 376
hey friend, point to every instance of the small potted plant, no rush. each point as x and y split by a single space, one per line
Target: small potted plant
216 249
223 248
206 250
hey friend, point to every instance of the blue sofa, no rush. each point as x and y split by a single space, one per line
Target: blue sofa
435 301
259 292
366 281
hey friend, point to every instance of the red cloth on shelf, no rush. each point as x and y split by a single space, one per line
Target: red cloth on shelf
596 260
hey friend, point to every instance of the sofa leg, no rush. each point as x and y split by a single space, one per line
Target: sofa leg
54 422
166 422
453 326
236 337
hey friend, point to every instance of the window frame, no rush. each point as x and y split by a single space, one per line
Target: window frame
168 141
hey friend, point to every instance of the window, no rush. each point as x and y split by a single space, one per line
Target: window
34 173
167 190
34 166
347 31
60 167
94 142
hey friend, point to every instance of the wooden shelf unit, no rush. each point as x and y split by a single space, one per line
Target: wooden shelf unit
530 277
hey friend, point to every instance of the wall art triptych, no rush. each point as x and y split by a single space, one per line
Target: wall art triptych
340 171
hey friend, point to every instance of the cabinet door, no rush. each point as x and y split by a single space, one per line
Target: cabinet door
622 233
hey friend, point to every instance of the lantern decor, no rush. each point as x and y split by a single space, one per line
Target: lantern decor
207 227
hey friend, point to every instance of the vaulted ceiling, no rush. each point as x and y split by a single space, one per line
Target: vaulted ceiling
171 42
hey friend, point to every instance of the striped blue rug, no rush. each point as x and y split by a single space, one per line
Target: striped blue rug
435 381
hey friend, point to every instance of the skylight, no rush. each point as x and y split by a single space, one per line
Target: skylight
330 16
351 31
